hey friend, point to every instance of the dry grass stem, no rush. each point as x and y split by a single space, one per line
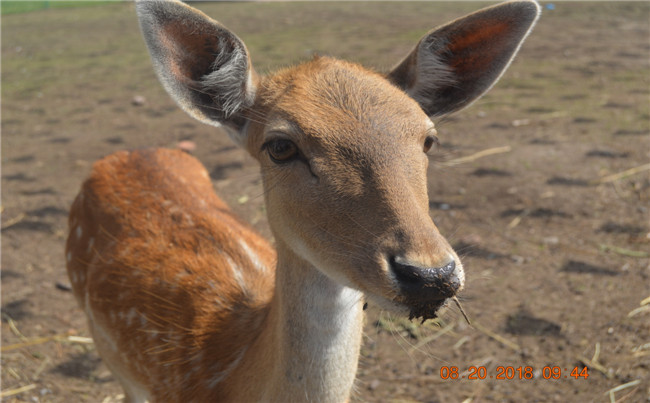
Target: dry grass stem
612 397
515 221
460 342
595 365
80 340
621 175
455 299
434 336
475 156
596 353
623 251
14 221
593 362
13 327
42 340
12 392
37 374
641 309
496 337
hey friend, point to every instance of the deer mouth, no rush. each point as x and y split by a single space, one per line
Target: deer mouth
426 310
415 309
424 301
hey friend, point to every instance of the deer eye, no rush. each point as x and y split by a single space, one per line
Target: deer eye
429 141
281 150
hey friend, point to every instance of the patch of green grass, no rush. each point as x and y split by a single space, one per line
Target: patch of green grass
16 7
75 56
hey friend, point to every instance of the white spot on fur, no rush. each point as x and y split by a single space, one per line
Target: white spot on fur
69 257
254 257
91 242
237 275
79 231
181 274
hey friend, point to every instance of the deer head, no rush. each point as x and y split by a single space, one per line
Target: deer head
343 149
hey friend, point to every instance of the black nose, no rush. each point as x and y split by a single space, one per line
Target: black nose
426 283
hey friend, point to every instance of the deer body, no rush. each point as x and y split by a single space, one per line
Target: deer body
186 302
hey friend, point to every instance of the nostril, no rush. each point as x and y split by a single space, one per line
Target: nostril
410 273
415 274
427 282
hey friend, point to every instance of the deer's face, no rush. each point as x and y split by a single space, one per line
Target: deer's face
343 156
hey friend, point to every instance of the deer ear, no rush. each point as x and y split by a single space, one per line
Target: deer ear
202 65
456 64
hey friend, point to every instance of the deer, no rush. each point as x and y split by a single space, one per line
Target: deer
186 302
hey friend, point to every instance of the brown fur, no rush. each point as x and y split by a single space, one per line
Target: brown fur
174 243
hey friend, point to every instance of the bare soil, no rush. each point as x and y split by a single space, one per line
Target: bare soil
556 250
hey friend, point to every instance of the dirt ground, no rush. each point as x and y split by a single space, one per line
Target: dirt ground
556 245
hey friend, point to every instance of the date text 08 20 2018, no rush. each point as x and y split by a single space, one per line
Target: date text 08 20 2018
510 373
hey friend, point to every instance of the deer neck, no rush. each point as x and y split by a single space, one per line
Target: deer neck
316 331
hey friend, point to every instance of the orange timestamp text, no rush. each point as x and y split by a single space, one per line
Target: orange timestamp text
511 373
